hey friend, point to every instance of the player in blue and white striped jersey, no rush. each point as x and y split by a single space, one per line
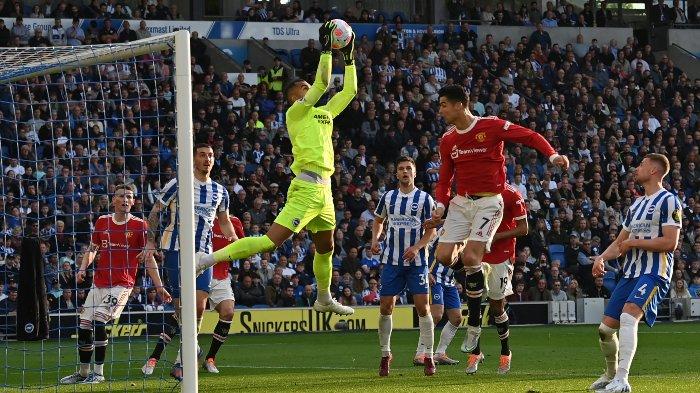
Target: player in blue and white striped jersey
211 200
404 257
647 240
444 298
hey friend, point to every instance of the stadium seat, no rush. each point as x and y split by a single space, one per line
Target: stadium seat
296 57
283 54
556 252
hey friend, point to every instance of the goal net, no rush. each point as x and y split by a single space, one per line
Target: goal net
75 124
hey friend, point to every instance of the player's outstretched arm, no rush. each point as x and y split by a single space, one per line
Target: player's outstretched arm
340 101
323 75
520 230
411 252
518 134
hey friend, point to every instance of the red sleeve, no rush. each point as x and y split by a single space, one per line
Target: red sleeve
238 227
518 134
444 184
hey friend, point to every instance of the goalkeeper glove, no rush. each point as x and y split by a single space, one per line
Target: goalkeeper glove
324 36
347 51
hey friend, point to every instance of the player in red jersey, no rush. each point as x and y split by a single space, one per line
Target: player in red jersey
498 265
472 154
119 237
221 293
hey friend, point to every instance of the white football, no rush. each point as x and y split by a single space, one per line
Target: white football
342 34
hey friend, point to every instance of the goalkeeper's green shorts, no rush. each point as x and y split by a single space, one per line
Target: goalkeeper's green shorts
309 205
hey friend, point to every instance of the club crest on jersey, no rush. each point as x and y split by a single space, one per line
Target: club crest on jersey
651 209
214 197
414 206
676 215
480 137
295 222
129 234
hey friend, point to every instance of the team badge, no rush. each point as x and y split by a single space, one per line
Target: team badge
29 328
414 206
676 215
480 137
295 222
651 209
129 234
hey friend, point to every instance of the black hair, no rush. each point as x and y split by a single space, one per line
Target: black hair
289 87
201 146
454 93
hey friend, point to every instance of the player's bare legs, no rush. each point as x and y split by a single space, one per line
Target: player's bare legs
323 270
225 310
615 379
497 310
200 304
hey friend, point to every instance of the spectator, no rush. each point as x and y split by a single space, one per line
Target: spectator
143 31
307 298
557 293
694 287
310 56
599 290
9 304
273 291
573 290
75 35
249 293
603 16
66 303
539 293
286 298
347 298
519 294
127 34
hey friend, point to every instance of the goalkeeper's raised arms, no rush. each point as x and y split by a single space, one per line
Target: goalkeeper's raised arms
323 77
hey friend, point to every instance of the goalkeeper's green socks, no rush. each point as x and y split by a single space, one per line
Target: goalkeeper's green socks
323 270
240 249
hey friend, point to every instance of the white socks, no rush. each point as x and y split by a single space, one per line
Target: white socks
609 346
425 324
324 296
628 344
385 327
448 333
421 347
99 369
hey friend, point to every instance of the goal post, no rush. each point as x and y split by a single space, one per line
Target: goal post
97 70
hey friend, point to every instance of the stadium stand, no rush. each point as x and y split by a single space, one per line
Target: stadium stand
603 105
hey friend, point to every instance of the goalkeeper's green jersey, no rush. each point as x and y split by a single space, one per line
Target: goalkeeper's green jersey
311 128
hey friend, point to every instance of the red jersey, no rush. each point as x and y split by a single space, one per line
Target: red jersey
513 210
474 157
219 241
119 244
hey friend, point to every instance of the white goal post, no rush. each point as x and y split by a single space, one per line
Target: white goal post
18 64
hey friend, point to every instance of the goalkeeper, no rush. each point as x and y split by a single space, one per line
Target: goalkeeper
310 201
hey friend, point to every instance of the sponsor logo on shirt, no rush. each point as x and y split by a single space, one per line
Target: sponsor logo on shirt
322 119
676 215
456 152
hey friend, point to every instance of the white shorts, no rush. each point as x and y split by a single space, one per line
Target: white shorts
220 290
105 304
498 279
473 220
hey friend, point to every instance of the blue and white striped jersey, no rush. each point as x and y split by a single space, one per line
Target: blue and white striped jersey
405 215
210 198
645 220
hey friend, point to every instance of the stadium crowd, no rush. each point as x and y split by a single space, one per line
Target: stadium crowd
604 105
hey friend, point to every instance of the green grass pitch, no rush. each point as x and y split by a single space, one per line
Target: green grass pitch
545 359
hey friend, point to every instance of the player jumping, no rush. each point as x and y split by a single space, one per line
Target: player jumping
210 202
221 294
647 241
471 153
310 199
119 237
405 258
499 271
